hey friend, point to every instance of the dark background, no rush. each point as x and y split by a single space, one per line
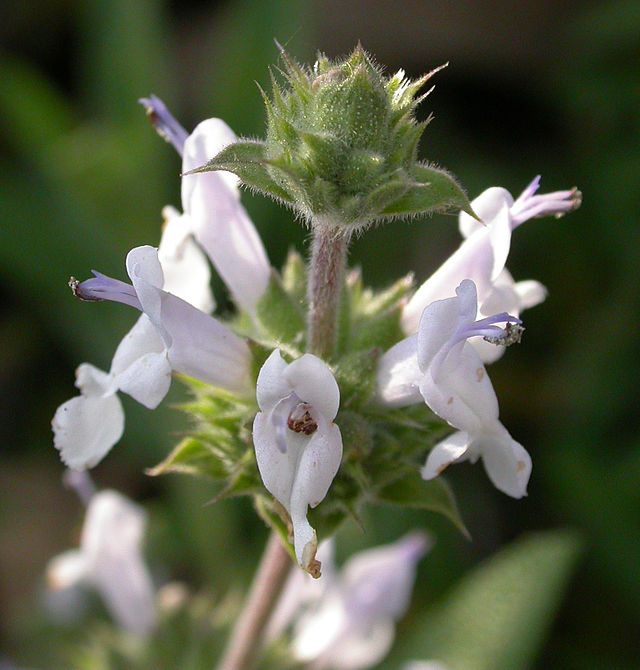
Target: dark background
532 87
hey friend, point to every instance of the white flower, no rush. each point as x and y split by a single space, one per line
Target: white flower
212 209
439 364
170 335
352 623
424 665
482 256
298 447
110 560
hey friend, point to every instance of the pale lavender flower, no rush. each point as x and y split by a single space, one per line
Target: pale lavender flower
212 209
110 560
351 625
298 447
171 334
482 256
439 365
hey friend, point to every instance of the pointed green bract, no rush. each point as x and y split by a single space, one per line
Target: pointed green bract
434 190
341 145
247 159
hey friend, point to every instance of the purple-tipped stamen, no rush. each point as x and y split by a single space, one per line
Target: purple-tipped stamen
486 328
164 123
102 287
529 206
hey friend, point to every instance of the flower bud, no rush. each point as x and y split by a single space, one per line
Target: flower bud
341 146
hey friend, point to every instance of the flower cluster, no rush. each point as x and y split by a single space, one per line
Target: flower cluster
344 428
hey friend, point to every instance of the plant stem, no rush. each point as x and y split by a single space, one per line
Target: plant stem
245 642
328 259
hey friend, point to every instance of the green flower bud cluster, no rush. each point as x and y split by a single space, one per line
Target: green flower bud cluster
341 146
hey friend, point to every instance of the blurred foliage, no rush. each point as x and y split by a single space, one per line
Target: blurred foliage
83 179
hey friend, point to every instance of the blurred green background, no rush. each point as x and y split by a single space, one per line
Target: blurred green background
535 86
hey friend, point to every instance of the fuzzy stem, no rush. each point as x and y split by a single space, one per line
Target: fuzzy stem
245 641
328 259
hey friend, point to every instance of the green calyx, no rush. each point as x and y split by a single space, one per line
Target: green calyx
383 449
341 146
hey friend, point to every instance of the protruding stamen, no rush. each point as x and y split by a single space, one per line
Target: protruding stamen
164 123
512 334
487 328
102 287
529 206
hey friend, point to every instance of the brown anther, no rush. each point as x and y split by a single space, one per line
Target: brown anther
301 421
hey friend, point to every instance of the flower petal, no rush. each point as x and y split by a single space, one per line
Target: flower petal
208 138
487 206
314 383
85 428
506 461
277 468
203 348
184 265
317 467
530 293
378 582
147 380
111 543
92 381
438 324
66 570
271 387
461 393
399 376
450 450
147 278
140 366
219 222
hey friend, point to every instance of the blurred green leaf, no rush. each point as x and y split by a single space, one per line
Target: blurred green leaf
498 615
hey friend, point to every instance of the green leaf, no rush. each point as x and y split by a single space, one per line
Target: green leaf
498 615
381 331
194 457
280 315
248 160
435 495
434 190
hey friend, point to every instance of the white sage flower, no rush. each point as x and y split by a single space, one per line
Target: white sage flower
298 447
482 256
212 209
352 623
171 334
441 366
110 561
